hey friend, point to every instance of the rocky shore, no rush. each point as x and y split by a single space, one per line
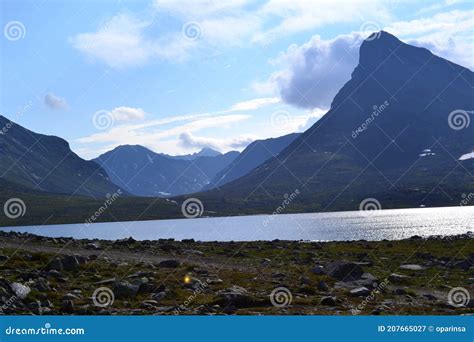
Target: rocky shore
45 276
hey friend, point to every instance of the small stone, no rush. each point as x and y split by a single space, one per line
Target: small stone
360 292
328 301
398 278
41 284
70 263
54 274
400 292
123 289
143 284
318 270
105 281
70 296
93 245
67 306
171 263
20 290
429 296
463 264
56 265
412 267
323 286
344 270
305 281
235 296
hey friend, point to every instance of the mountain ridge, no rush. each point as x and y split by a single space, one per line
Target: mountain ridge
46 163
412 92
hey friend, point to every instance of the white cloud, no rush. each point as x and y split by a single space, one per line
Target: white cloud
313 72
312 118
301 16
125 39
188 140
127 113
254 104
118 42
155 134
55 102
198 9
121 42
449 35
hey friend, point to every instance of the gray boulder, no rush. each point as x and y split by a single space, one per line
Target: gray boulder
236 296
344 270
124 289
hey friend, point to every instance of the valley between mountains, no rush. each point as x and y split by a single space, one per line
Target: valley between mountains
398 131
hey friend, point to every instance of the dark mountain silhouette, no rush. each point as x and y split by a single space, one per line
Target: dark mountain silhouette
252 156
388 134
46 163
143 172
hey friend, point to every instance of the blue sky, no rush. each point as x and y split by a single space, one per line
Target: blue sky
176 76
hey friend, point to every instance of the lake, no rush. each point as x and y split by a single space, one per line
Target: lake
390 224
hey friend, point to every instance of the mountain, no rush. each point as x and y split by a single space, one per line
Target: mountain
394 132
252 156
205 152
46 163
143 172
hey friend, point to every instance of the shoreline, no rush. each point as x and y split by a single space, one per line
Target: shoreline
411 276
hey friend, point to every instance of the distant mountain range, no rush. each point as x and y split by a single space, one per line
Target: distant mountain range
205 152
398 131
390 134
143 172
252 156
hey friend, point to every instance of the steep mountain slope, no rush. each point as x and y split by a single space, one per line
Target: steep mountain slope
46 163
252 156
146 173
395 132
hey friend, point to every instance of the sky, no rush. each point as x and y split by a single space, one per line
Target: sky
178 76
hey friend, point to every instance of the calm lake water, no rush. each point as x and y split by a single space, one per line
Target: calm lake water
349 225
